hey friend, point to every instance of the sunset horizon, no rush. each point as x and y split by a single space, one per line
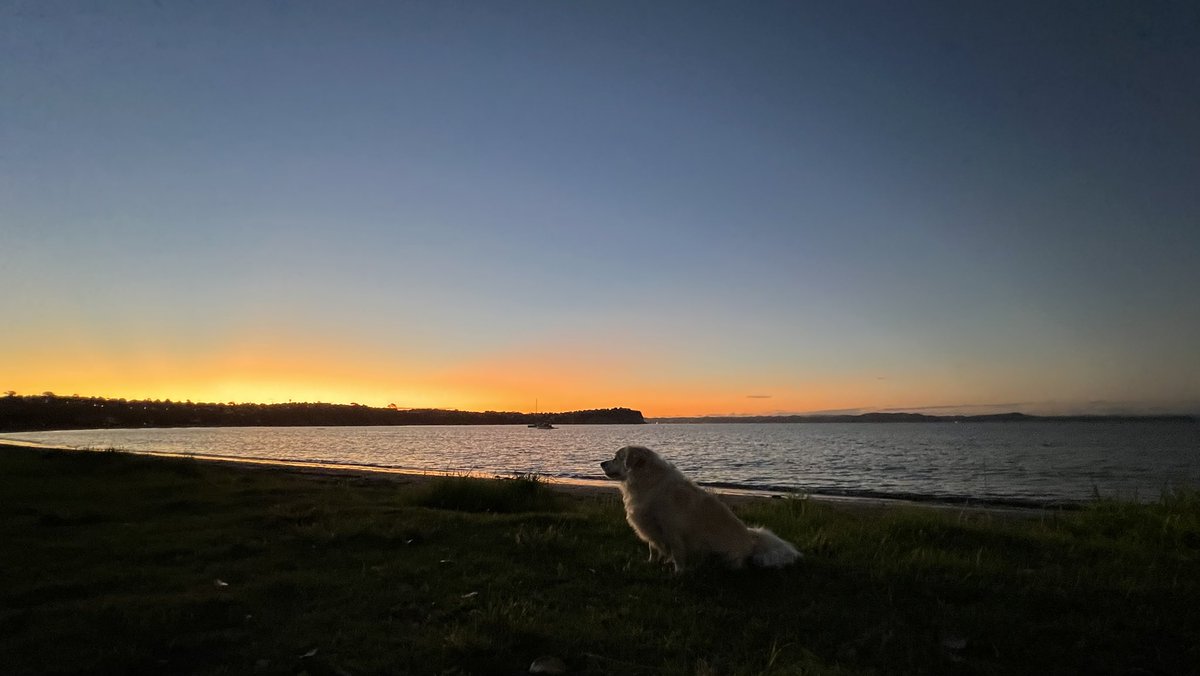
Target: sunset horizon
689 211
1031 408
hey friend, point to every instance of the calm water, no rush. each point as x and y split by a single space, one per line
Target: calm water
995 461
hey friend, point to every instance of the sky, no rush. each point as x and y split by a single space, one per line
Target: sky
685 208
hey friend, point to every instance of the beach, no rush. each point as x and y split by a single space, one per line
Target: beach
576 487
124 563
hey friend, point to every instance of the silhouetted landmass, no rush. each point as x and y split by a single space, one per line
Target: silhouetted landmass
49 412
921 417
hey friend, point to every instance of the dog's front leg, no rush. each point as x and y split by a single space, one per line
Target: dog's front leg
679 559
677 553
660 555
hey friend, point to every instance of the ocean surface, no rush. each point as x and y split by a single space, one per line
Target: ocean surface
1034 462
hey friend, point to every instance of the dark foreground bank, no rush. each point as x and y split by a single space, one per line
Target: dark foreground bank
123 564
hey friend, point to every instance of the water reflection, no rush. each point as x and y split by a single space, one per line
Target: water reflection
1028 461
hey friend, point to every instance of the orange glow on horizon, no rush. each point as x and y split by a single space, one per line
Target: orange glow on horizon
568 375
464 388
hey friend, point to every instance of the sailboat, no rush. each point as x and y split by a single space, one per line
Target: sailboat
542 424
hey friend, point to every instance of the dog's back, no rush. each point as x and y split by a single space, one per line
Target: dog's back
696 524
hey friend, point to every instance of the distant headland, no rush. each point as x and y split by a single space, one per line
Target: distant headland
921 417
53 412
50 412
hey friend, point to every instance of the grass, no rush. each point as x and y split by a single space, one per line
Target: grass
520 493
115 563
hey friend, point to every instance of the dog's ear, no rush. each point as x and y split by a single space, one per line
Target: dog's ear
635 456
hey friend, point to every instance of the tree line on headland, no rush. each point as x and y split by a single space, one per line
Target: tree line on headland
51 412
48 411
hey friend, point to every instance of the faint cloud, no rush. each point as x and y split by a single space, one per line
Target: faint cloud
758 396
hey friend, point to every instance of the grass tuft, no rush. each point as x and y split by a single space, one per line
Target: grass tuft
521 493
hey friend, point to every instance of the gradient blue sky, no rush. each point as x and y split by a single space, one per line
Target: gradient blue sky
686 208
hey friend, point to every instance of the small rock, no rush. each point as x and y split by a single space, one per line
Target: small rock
954 643
548 664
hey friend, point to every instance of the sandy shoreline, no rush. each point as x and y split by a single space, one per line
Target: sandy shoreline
572 487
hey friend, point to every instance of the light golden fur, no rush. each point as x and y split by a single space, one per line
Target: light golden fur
681 522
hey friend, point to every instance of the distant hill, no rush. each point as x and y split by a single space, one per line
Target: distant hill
921 417
49 412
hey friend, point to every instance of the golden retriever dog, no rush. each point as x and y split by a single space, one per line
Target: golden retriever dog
683 523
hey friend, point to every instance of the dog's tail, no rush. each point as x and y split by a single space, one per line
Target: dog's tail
771 551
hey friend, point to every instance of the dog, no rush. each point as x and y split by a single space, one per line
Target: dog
682 523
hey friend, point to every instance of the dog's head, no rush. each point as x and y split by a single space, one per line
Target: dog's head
627 460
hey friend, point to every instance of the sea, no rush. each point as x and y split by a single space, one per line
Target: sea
1021 463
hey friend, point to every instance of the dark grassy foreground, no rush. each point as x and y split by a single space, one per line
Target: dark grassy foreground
121 564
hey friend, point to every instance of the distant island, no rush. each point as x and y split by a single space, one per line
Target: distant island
921 417
24 413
